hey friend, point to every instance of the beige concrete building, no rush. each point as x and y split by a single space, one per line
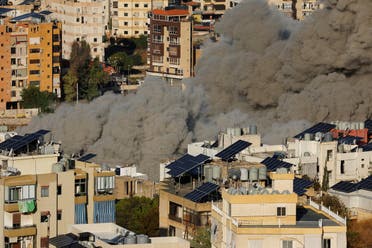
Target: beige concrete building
81 20
108 235
43 196
297 9
170 50
130 18
270 217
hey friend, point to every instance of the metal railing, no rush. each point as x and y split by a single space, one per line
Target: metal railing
328 211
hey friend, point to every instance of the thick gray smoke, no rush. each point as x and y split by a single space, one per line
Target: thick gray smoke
266 69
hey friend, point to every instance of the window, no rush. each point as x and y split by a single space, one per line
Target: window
157 28
77 19
59 215
136 32
280 211
173 30
125 14
104 184
13 61
329 155
136 5
125 5
34 72
13 50
342 167
94 39
35 50
59 190
287 244
35 83
13 93
34 61
326 243
44 191
80 187
16 220
44 216
14 83
145 5
115 13
125 23
15 193
95 50
115 4
125 32
172 231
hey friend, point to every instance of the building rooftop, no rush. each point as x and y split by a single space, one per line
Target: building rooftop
348 187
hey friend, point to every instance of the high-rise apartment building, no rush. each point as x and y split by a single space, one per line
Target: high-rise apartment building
130 18
29 56
170 50
81 20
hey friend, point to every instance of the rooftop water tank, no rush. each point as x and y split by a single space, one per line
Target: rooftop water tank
328 137
234 174
281 171
253 174
142 239
245 130
253 129
243 174
216 172
237 131
307 137
208 173
230 131
262 173
131 239
361 125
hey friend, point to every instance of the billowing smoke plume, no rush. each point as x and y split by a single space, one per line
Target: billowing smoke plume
266 69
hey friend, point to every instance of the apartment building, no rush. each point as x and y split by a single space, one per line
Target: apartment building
269 216
297 9
170 50
30 56
130 18
43 195
81 20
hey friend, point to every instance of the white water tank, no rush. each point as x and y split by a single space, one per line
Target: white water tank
131 239
243 174
253 129
361 125
216 172
262 173
142 239
253 174
208 173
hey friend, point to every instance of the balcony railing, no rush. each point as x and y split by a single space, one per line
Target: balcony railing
327 211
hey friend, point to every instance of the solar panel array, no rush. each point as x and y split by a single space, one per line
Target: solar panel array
186 163
367 147
199 193
350 140
320 127
87 157
232 150
343 186
348 187
17 142
300 185
272 164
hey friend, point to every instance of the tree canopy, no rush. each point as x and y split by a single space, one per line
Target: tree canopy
34 98
139 214
84 75
202 238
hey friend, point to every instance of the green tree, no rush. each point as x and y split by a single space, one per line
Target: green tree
70 81
141 42
97 79
139 214
32 97
202 238
325 184
121 61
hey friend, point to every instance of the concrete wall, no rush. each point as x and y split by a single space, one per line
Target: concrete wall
31 165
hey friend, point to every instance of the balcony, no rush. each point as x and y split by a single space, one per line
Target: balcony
175 218
20 231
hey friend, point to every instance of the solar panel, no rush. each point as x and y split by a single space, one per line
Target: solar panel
365 184
199 193
232 150
87 157
320 127
344 186
272 164
300 185
18 141
186 163
367 147
350 140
